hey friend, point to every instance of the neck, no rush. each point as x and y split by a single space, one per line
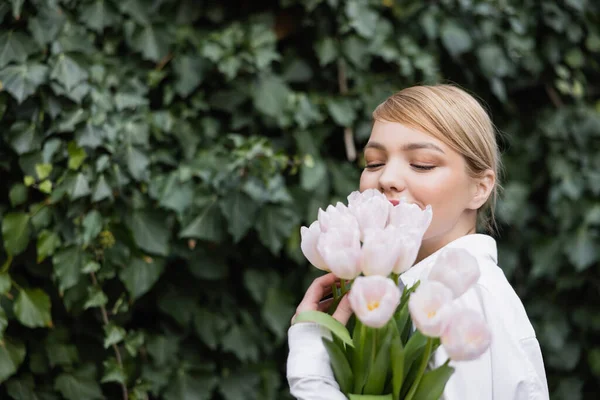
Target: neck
433 244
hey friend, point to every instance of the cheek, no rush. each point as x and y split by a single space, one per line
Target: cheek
368 180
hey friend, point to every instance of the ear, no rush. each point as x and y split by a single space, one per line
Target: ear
482 189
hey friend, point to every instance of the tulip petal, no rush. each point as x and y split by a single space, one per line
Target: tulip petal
374 300
430 308
457 269
467 336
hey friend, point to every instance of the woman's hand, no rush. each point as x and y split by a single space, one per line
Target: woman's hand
320 288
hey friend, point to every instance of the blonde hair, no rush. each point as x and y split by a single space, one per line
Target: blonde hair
457 119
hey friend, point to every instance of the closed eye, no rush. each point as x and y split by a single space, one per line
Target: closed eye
423 167
374 165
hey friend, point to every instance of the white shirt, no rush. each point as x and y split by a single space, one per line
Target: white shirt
511 369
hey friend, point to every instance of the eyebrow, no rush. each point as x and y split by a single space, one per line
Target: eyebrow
407 147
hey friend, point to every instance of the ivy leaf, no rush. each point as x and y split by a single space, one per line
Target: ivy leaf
77 156
140 276
80 188
113 334
68 72
17 194
113 372
3 324
327 51
152 43
22 81
210 327
240 211
12 354
23 389
163 349
137 163
189 70
15 47
24 138
15 232
47 243
240 344
96 298
583 251
92 226
101 191
455 38
17 7
239 385
206 226
68 264
341 111
277 312
98 15
80 384
149 232
270 95
5 282
275 223
32 308
188 387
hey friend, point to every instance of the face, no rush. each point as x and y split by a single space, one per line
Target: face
404 162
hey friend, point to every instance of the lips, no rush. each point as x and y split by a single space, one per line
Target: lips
394 202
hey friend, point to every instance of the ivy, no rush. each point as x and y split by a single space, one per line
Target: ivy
159 157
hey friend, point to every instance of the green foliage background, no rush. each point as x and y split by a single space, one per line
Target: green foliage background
159 156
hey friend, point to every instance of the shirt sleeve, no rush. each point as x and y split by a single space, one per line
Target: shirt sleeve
309 371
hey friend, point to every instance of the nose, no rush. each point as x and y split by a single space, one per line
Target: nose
392 180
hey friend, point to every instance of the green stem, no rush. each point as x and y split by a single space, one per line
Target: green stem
422 367
395 278
334 292
343 286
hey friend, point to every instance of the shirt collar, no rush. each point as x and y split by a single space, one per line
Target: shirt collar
481 246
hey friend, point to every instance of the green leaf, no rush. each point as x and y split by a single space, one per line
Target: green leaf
370 397
137 163
45 187
206 226
209 327
413 349
342 111
455 38
140 276
163 349
43 171
17 194
433 383
189 70
77 156
188 387
47 243
23 137
378 370
81 384
23 80
98 15
152 43
32 308
327 51
238 385
12 354
241 344
68 72
96 298
92 226
209 267
22 389
68 264
339 365
5 282
327 321
276 312
3 324
101 191
397 364
15 232
80 187
113 334
270 95
17 7
62 354
150 232
240 211
113 372
275 223
15 47
583 250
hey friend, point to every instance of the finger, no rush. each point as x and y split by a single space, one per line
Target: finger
320 288
343 311
324 305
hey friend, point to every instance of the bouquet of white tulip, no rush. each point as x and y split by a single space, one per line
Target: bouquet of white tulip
394 332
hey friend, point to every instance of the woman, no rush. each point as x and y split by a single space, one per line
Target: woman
436 145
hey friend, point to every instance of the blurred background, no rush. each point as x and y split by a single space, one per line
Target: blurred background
158 157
